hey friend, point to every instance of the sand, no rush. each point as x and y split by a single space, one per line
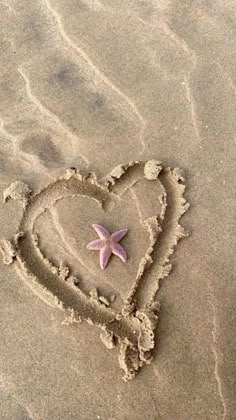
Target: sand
101 103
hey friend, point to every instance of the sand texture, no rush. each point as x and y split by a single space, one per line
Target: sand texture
101 103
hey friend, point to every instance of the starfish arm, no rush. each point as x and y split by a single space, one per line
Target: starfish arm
95 245
119 251
105 254
101 231
118 235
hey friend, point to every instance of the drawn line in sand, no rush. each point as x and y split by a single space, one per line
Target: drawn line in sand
134 326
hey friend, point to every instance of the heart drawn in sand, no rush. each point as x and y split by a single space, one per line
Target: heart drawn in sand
143 197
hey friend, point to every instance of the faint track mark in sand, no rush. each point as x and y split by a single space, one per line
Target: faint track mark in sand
78 51
134 196
52 117
193 56
172 35
215 353
180 41
192 105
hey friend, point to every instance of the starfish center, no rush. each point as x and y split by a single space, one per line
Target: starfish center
108 244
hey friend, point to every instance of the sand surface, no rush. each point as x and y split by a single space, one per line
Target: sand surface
113 88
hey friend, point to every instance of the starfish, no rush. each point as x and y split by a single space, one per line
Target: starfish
108 244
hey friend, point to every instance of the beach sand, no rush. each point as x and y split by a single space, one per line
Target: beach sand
100 102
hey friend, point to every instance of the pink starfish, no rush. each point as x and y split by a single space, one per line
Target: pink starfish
108 244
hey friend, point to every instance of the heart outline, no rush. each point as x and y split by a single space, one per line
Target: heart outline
135 327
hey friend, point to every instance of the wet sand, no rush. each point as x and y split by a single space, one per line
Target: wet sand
93 85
